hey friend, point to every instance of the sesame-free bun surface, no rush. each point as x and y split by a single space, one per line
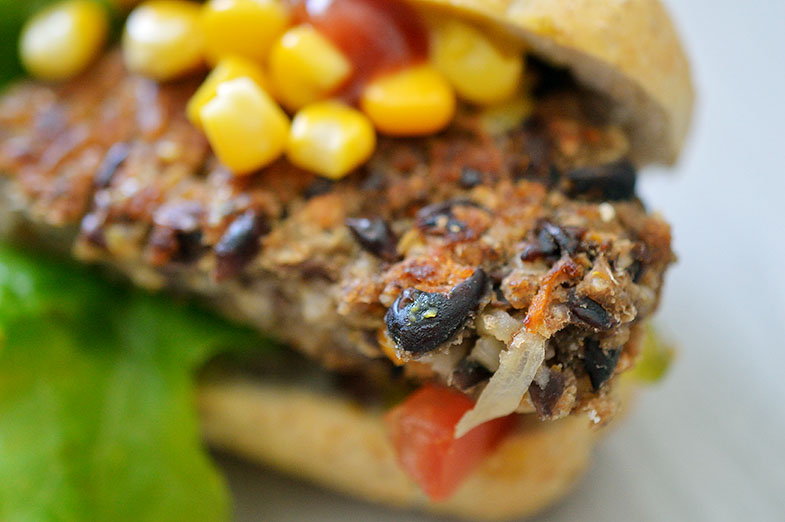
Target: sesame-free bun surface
335 443
626 49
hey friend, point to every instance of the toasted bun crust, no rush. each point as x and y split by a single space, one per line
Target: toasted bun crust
339 445
627 49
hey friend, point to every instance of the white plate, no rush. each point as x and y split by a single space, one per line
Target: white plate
709 443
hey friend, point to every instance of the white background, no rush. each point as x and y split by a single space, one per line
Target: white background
708 444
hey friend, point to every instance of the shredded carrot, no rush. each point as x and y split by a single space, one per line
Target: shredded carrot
561 272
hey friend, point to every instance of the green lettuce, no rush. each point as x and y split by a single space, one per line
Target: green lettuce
655 359
13 14
97 417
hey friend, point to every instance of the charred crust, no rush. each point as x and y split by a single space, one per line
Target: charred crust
419 322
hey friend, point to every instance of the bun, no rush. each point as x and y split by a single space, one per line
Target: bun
628 50
339 445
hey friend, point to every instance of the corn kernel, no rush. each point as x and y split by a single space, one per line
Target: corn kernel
163 39
60 42
480 70
242 27
306 67
245 127
229 68
411 102
330 139
503 117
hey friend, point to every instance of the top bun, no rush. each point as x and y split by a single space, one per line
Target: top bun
626 49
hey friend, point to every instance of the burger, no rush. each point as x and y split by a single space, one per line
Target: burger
431 202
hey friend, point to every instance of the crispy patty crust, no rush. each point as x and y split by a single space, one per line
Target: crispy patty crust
419 259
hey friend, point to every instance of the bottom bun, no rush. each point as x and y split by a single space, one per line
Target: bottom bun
339 445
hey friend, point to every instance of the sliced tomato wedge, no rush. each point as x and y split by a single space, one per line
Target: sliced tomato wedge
422 431
377 36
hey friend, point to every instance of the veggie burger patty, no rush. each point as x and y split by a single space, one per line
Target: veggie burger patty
429 258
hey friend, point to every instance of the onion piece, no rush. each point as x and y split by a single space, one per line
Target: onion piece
518 365
499 324
487 351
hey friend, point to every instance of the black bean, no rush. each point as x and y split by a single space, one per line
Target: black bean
469 374
591 312
445 208
552 242
375 236
115 157
318 187
599 364
419 322
470 177
92 228
545 246
612 181
239 244
190 247
637 268
439 219
566 238
545 399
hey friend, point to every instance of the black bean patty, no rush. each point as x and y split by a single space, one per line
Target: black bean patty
396 264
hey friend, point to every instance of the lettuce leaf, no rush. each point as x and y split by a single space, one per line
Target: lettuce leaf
13 14
97 418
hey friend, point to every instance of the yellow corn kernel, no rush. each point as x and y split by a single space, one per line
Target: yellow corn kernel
229 68
481 71
242 27
60 42
245 127
330 139
306 67
501 118
163 39
412 102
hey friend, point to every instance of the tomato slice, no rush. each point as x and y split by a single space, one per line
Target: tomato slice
422 432
376 35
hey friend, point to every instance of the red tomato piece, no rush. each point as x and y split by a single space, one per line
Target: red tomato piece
376 35
422 432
